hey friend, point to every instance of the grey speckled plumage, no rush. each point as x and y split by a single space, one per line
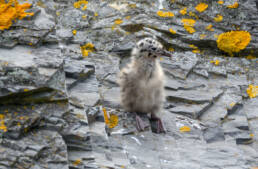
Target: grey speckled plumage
142 80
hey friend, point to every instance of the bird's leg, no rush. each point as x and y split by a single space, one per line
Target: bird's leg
140 124
159 127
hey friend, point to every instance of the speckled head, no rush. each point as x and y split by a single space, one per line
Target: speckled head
150 48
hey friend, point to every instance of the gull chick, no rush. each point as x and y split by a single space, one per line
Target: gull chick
142 82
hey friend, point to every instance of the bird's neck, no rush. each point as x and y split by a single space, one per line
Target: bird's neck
145 67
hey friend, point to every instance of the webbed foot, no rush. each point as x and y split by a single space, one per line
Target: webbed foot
140 124
157 125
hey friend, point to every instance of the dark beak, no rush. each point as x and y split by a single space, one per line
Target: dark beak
164 53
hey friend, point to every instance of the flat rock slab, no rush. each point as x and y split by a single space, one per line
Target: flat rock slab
195 96
180 65
190 110
37 150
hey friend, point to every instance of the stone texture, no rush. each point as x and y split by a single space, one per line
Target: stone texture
52 97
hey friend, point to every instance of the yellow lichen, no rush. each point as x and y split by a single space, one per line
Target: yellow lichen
232 104
25 90
132 5
11 11
193 15
185 129
215 62
57 13
118 21
201 7
110 120
74 32
195 49
165 14
183 11
84 16
77 162
218 18
79 3
41 4
96 14
251 135
171 49
128 17
209 27
235 5
250 57
202 36
86 49
233 41
220 2
188 25
2 125
172 31
1 116
252 91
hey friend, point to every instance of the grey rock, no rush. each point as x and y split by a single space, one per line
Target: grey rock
196 96
190 110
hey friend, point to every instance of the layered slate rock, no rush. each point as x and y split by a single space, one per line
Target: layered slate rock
52 93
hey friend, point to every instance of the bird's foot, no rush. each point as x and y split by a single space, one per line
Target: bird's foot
140 124
157 125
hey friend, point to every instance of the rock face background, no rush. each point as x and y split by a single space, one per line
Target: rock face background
58 71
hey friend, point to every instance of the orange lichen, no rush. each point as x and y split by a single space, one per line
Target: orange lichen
188 25
110 120
233 41
79 3
11 11
172 31
220 2
2 125
235 5
209 27
215 62
201 7
218 18
86 49
165 14
118 21
183 11
252 91
185 129
77 162
74 32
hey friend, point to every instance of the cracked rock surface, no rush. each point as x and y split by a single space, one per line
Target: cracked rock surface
52 96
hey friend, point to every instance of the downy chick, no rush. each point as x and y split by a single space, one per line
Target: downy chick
142 82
